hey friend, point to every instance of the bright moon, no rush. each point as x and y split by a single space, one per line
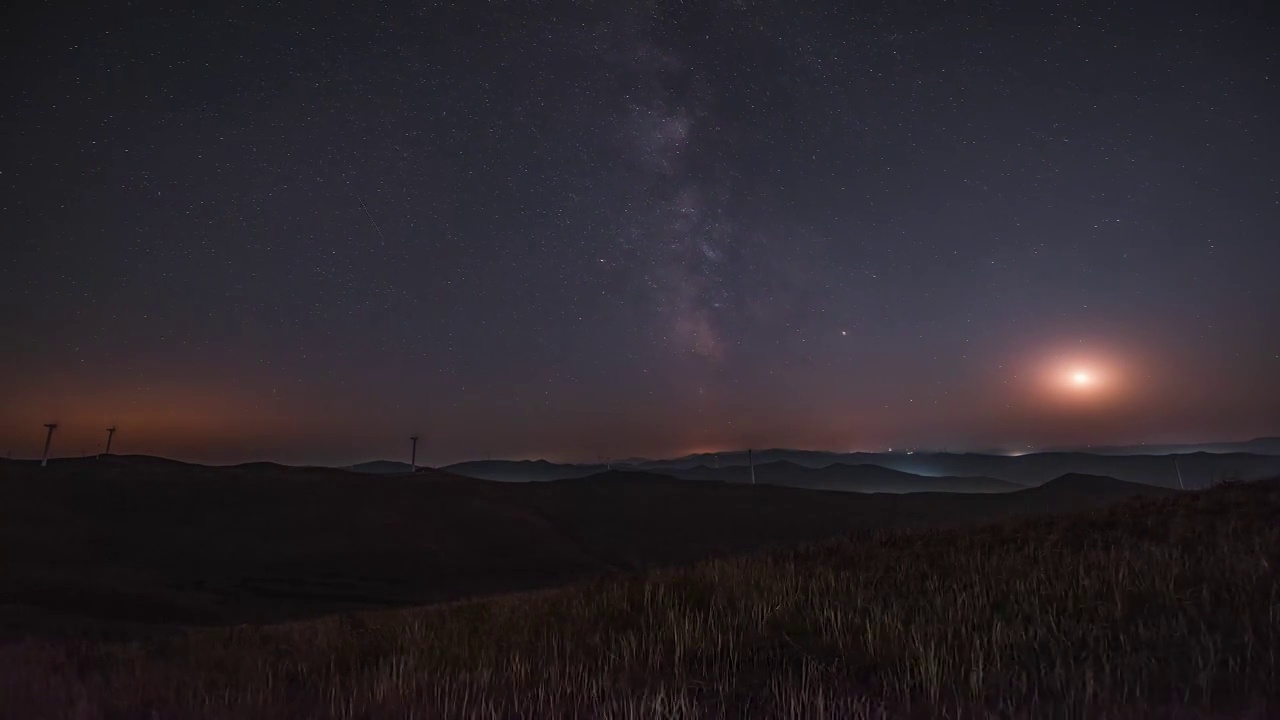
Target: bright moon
1079 378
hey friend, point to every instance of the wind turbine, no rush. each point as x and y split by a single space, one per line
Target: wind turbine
413 455
48 438
751 460
111 431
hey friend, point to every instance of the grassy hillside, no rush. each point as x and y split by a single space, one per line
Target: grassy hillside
1159 607
143 539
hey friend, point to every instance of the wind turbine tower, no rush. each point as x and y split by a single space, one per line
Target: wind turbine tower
48 438
413 454
751 460
111 431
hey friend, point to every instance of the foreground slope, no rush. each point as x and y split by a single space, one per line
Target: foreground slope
1156 608
143 539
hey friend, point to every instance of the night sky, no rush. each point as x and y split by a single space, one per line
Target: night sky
614 229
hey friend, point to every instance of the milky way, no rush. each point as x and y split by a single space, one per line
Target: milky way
676 217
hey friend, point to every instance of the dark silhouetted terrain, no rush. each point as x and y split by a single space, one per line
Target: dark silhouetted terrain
1199 470
146 539
846 478
523 470
1158 607
932 471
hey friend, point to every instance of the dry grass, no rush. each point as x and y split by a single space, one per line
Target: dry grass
1157 608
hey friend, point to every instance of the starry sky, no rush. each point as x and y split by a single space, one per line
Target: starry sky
587 230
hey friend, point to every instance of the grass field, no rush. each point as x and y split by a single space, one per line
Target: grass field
1159 607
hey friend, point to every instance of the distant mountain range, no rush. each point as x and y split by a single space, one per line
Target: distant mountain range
381 467
1171 466
528 470
837 476
909 472
845 478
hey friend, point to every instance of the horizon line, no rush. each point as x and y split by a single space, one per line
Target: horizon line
638 460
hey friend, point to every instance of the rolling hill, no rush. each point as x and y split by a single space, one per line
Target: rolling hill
846 478
916 472
522 470
150 540
1153 608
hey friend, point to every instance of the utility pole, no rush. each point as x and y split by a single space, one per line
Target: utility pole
110 432
48 438
413 455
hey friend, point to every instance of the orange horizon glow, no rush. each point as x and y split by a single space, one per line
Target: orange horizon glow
1058 395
